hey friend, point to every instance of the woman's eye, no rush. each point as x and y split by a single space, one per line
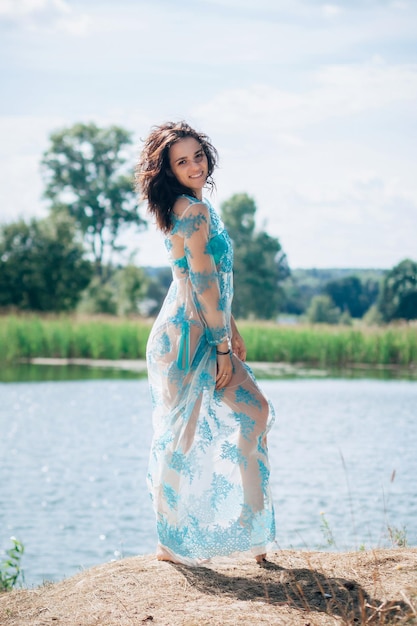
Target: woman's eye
199 156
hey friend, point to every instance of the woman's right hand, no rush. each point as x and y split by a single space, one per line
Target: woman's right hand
224 370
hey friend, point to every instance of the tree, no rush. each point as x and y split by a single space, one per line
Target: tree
42 265
323 311
259 263
351 295
303 284
132 283
238 214
87 176
158 280
121 294
398 298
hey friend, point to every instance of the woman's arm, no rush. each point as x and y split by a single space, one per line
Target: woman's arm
204 278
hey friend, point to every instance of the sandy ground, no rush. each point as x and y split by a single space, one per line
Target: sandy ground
294 588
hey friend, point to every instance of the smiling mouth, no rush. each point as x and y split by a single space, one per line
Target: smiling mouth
197 175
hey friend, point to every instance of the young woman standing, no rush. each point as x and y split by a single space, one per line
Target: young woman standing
209 470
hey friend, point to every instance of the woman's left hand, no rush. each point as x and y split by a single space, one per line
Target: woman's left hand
239 346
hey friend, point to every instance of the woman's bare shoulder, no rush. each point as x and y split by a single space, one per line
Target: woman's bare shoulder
186 206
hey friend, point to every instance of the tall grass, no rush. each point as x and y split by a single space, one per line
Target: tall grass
336 346
29 336
25 337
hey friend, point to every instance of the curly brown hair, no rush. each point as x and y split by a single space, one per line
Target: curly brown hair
153 177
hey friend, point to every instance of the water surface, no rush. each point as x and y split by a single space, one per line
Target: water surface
73 458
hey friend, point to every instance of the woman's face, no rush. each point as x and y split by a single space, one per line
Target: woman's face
189 164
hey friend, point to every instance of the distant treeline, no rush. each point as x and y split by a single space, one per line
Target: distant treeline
352 291
28 336
324 296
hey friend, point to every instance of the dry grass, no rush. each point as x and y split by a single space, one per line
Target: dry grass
294 589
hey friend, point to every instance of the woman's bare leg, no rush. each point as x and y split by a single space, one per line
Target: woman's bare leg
244 397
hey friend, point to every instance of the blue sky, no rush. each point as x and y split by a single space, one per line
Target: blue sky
312 106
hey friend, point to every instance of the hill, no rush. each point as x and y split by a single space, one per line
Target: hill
293 589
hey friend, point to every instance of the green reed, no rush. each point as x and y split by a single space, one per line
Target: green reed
29 336
326 346
25 337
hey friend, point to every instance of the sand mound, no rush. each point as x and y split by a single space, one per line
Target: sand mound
294 588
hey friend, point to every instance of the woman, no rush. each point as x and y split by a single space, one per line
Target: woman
209 471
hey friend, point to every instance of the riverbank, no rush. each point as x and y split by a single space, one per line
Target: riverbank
295 588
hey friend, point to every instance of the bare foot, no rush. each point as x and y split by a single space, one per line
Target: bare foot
261 558
163 555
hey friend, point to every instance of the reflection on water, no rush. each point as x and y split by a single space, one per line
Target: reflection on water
73 460
29 372
26 372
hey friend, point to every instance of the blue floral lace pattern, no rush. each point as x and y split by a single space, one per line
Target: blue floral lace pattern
209 469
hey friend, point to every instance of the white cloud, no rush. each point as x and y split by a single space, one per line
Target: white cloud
367 226
331 10
400 4
77 25
335 190
52 15
336 91
22 8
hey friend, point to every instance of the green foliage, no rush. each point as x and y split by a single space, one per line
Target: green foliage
352 295
304 284
322 311
10 567
258 265
398 298
121 294
295 300
327 531
345 319
330 346
373 316
238 214
158 280
99 297
116 338
67 337
41 265
398 536
131 282
86 175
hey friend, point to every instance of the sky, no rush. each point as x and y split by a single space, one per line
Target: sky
311 105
